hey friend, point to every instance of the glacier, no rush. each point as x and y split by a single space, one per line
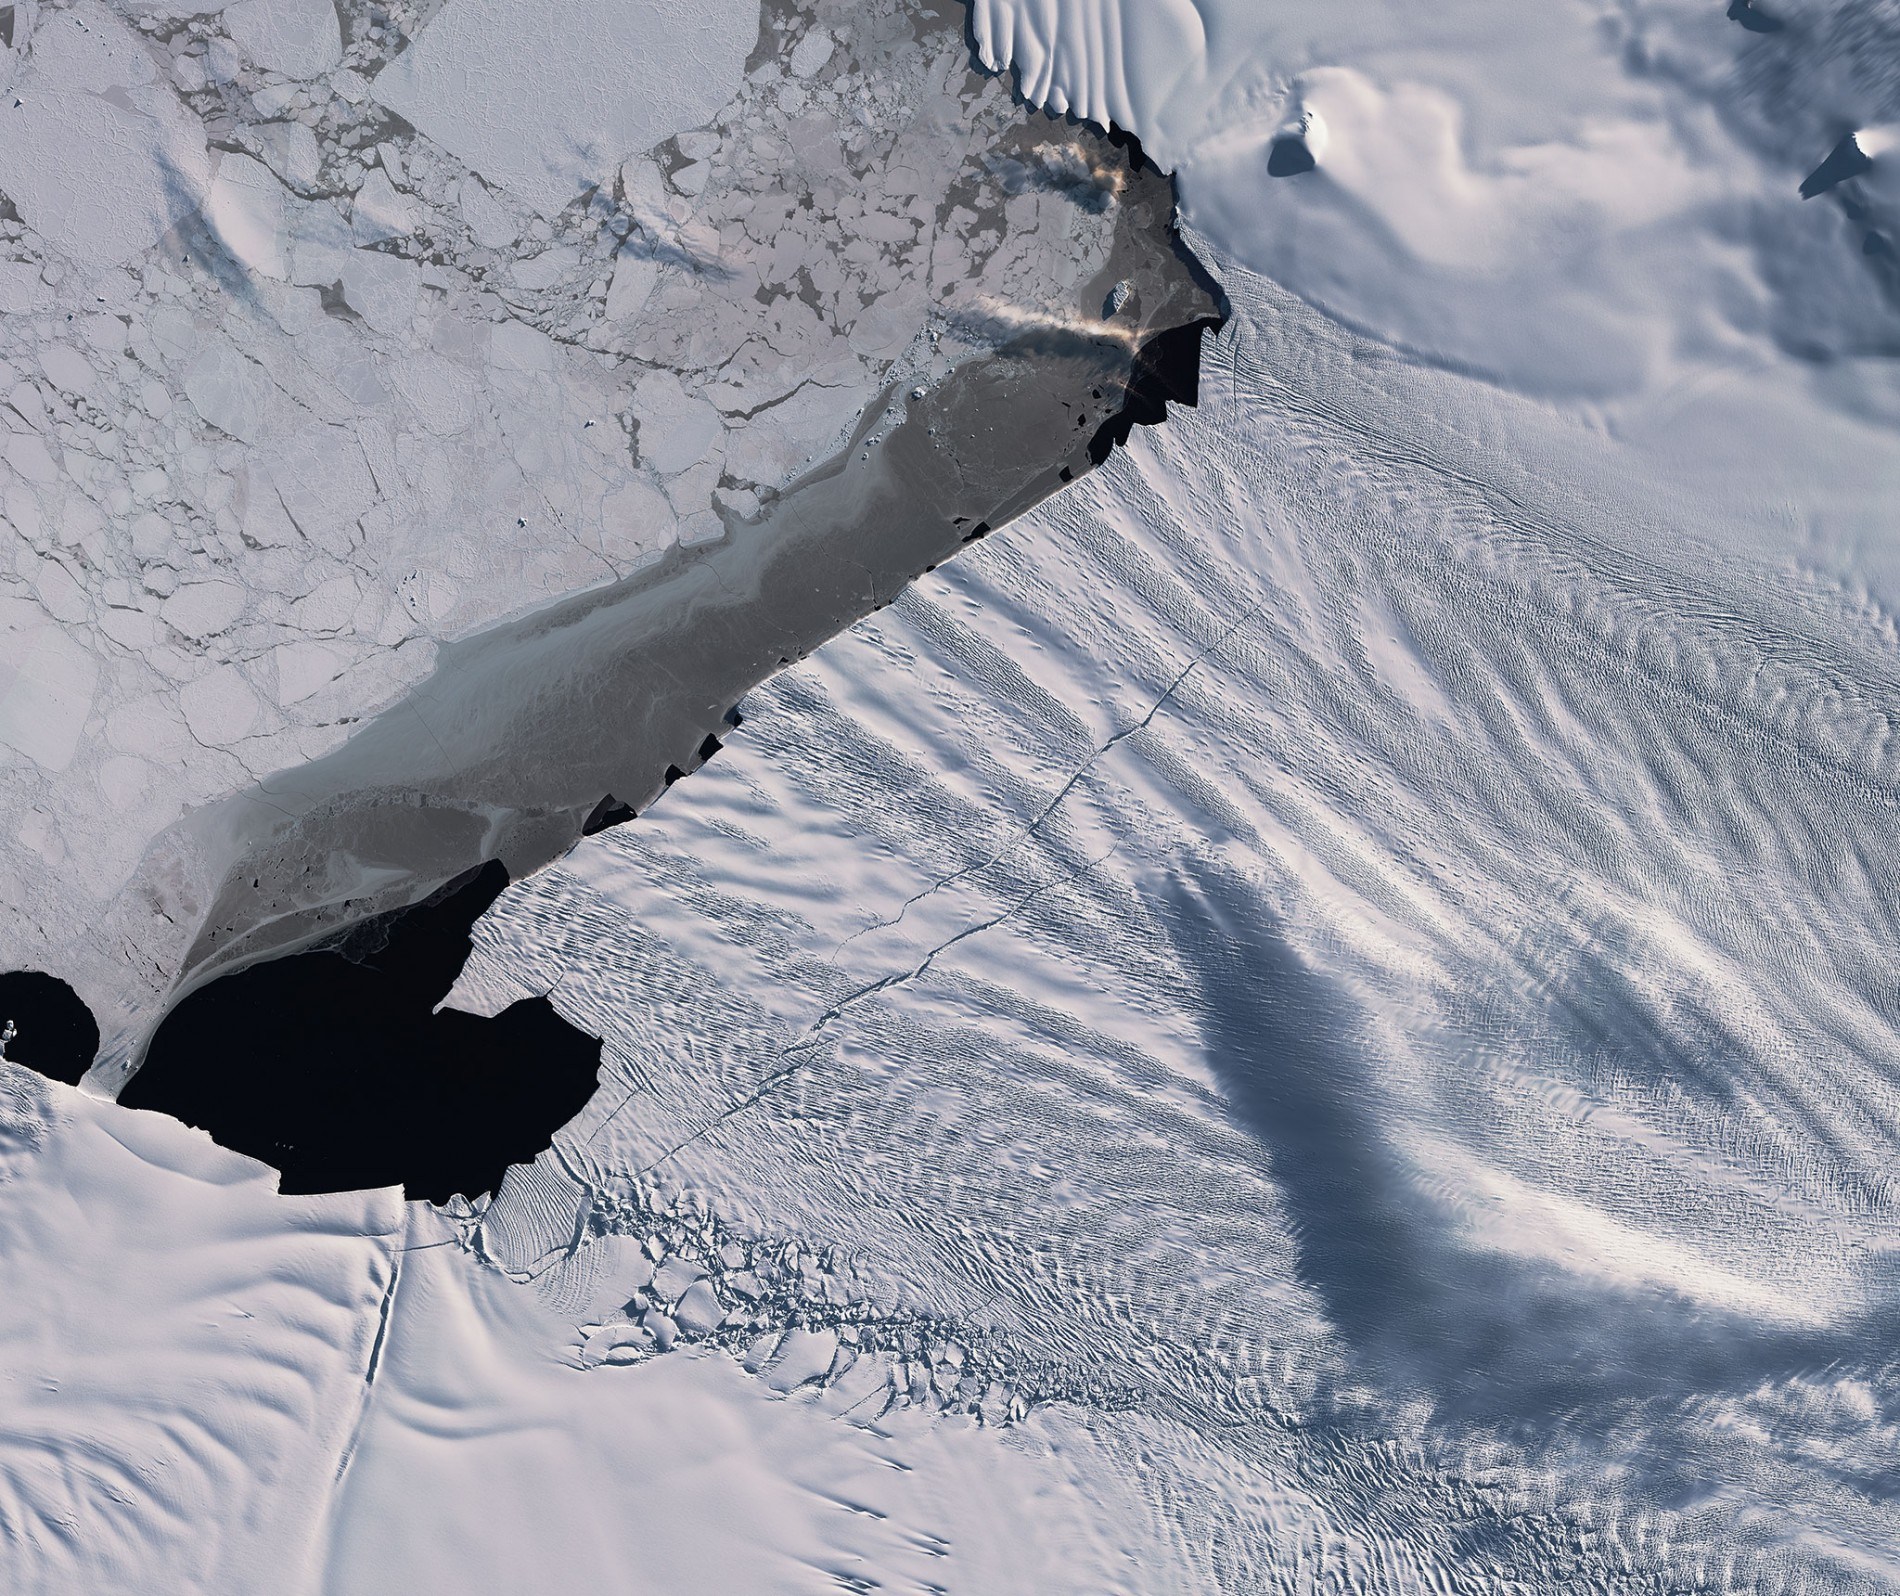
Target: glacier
1312 953
1313 1012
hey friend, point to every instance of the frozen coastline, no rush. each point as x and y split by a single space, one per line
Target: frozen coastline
385 405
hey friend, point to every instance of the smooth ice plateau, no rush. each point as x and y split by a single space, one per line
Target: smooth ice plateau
1314 1013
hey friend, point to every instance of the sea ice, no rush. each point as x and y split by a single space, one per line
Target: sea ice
545 111
96 152
303 347
46 688
296 38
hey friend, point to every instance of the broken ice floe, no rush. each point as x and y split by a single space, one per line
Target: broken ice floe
305 350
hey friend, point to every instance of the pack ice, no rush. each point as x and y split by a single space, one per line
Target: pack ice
1315 1014
332 337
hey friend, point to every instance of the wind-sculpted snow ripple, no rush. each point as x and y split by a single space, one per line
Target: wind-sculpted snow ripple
1360 957
182 1389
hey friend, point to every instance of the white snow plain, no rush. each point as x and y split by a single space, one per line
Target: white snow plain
1596 206
212 1388
1315 1015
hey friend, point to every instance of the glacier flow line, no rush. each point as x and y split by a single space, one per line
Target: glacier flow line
1011 844
812 1034
795 1053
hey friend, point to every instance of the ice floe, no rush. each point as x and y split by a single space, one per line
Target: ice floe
289 311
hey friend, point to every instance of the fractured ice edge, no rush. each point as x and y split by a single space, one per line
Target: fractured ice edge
1232 970
304 488
367 1083
1314 1016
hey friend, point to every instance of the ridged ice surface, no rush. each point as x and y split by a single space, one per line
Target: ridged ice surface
182 1351
1359 963
1316 1015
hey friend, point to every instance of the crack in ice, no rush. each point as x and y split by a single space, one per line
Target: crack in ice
812 1034
1055 802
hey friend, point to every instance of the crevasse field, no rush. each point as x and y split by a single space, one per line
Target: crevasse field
1318 1013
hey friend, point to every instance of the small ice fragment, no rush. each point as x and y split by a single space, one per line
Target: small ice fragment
674 1277
699 1312
803 1355
811 53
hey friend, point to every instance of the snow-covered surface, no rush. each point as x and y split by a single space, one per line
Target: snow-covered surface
494 1460
210 1388
182 1351
1595 205
1315 1015
1359 952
